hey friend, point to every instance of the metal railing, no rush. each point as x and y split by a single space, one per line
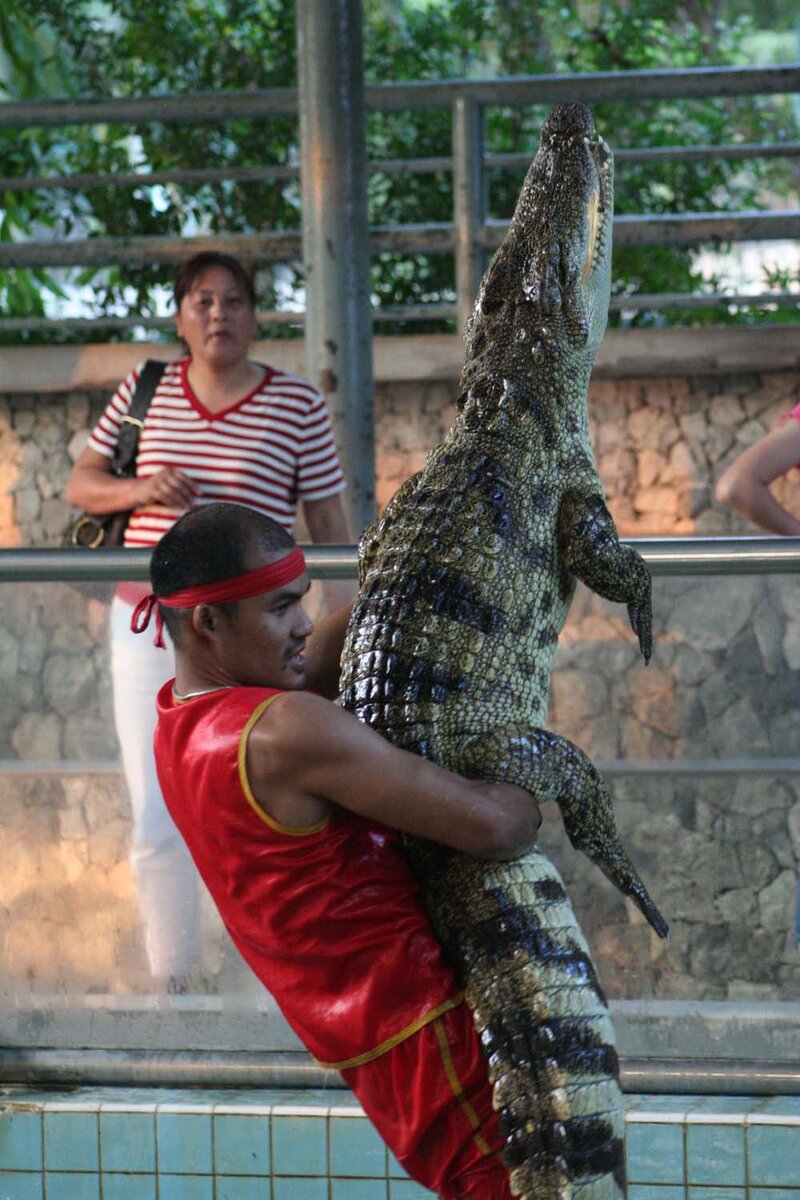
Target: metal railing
470 235
664 556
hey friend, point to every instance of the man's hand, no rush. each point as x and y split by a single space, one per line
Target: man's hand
306 754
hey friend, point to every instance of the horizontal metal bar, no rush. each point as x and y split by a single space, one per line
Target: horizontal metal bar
185 1068
384 166
270 246
623 768
668 154
640 300
200 175
682 229
410 312
595 88
664 556
435 237
613 768
709 1077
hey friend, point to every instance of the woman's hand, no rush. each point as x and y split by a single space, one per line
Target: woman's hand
168 487
92 486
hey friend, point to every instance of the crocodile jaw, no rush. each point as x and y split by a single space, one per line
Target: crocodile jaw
544 298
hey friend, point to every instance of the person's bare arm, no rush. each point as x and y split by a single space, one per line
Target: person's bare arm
305 754
327 521
324 652
745 485
91 486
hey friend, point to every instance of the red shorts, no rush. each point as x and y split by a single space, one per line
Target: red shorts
430 1100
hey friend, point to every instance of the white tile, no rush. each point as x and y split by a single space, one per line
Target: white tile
701 1117
656 1118
302 1110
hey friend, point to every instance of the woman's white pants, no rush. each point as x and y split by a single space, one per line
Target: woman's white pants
166 878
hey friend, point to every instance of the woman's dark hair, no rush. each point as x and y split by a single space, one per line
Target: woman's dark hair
210 543
194 267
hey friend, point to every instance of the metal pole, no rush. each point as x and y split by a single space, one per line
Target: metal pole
336 233
469 209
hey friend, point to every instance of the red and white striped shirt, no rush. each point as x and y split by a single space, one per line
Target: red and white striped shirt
269 450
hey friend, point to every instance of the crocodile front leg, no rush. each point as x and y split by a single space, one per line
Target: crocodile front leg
552 768
592 552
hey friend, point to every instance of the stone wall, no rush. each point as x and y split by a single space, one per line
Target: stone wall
720 854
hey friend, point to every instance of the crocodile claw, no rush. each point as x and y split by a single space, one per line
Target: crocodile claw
640 614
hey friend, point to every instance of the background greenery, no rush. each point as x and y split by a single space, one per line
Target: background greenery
89 48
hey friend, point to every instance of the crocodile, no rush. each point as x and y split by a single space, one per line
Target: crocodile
465 583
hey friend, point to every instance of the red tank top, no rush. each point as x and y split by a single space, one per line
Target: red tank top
327 916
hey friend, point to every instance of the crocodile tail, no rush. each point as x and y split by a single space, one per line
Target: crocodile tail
543 1024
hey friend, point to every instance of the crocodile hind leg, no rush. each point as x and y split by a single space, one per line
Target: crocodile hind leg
593 553
552 768
541 1017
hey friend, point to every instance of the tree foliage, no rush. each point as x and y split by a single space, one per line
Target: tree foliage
137 47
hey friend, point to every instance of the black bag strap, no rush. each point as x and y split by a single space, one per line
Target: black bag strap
123 461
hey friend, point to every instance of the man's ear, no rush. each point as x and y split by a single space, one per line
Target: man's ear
205 621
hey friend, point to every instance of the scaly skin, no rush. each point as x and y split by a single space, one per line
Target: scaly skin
466 581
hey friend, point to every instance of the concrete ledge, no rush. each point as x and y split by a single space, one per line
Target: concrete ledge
627 353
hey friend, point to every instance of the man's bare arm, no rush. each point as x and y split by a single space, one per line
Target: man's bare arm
305 754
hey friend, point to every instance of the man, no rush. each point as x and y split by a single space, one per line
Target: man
290 808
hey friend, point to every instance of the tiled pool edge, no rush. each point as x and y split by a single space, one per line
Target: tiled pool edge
246 1144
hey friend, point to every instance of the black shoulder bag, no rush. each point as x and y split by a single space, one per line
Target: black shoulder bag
91 532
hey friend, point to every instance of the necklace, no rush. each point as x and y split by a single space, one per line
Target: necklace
202 692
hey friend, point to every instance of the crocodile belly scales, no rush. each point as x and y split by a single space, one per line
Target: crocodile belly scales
465 583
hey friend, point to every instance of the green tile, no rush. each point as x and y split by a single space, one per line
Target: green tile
299 1189
357 1149
184 1143
656 1191
407 1189
715 1154
717 1193
241 1144
71 1141
20 1141
185 1187
21 1185
759 1193
774 1155
69 1185
780 1106
655 1153
128 1187
359 1189
128 1142
239 1187
727 1104
299 1145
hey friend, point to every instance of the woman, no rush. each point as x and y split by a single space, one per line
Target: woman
220 427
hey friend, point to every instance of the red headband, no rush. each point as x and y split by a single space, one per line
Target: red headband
238 587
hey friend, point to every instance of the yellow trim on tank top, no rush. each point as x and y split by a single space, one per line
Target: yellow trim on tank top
360 1059
290 830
